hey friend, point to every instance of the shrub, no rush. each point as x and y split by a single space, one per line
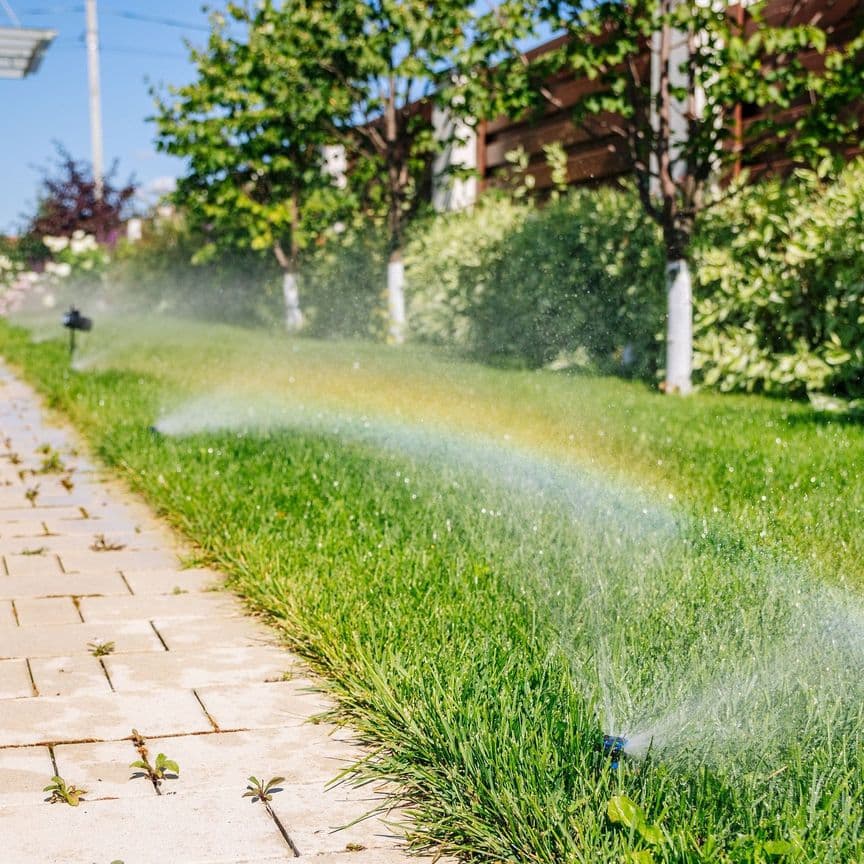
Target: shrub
577 283
343 283
780 288
446 263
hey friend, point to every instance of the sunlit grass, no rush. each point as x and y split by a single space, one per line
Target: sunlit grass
487 602
787 477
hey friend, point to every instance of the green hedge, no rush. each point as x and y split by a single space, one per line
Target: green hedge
446 262
343 283
578 282
780 288
779 284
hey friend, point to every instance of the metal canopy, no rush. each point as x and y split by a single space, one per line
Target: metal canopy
21 50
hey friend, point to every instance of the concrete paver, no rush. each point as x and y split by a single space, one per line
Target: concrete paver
110 717
62 639
212 664
32 565
103 769
61 585
170 581
110 562
196 828
201 632
262 706
225 760
7 614
14 679
297 806
202 681
46 610
81 675
161 606
24 773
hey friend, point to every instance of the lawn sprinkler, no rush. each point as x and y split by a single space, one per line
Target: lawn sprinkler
613 749
73 320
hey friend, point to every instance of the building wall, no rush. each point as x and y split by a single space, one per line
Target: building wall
593 158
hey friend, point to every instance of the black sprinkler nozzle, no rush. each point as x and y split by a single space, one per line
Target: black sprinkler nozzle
74 320
613 748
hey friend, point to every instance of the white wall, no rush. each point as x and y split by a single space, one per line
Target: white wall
449 193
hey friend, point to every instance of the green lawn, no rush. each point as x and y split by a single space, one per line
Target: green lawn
493 568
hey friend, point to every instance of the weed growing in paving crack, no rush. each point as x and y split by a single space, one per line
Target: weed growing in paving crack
101 648
52 463
100 544
67 484
257 790
63 794
39 550
32 494
163 768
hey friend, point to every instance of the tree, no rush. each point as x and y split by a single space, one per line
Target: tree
253 127
395 59
68 202
668 77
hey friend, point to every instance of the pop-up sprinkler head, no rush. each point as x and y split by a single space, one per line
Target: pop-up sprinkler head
613 748
73 321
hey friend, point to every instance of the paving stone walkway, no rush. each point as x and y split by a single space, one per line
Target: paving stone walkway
84 565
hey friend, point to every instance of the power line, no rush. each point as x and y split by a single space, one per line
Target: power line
119 13
153 19
12 16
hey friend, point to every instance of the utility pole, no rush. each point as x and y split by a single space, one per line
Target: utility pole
95 96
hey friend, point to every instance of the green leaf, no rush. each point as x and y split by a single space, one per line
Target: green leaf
651 834
777 848
622 810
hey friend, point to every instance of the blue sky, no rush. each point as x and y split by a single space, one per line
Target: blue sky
52 104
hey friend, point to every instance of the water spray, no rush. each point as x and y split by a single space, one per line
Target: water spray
73 321
613 749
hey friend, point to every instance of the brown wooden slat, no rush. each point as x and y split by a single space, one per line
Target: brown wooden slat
559 127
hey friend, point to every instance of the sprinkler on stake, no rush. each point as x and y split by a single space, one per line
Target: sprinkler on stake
613 748
73 320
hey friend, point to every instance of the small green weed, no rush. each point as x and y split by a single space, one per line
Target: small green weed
52 463
100 648
257 790
61 793
100 544
162 769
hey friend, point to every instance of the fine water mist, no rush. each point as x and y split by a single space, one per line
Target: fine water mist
747 658
687 646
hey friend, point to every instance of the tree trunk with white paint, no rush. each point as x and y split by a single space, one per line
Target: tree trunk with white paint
396 299
291 296
679 331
